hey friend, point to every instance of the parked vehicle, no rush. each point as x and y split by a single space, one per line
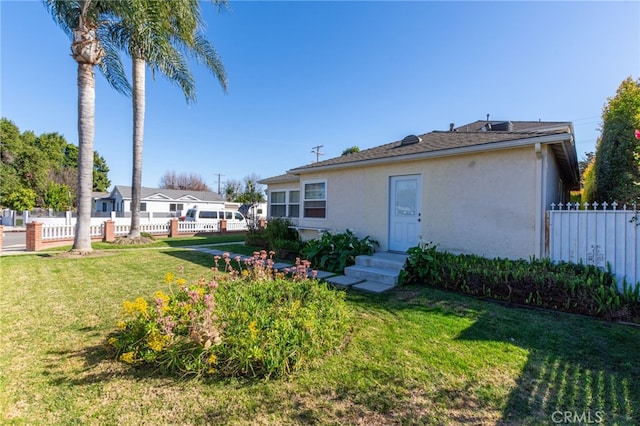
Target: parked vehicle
197 215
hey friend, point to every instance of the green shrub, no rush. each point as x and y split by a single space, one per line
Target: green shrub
254 323
577 288
255 237
278 234
334 252
279 231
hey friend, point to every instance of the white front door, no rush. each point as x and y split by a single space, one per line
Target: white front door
404 212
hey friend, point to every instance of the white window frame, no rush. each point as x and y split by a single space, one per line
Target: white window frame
284 203
304 200
290 203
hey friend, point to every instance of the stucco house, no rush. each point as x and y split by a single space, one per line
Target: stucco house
167 202
481 188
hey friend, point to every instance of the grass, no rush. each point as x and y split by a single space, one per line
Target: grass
164 242
414 356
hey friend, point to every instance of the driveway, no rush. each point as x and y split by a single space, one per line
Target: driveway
13 240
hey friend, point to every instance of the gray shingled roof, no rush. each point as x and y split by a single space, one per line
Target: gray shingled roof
518 126
173 194
440 141
287 177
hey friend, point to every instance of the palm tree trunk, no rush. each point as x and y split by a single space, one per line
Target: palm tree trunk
86 132
138 136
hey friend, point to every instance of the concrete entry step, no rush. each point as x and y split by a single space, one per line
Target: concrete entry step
374 286
342 281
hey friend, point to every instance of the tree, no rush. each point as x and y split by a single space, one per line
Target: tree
83 21
232 190
34 162
57 197
192 182
101 180
161 35
22 199
351 150
252 196
616 168
588 183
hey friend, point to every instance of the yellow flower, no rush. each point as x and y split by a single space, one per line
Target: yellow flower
127 357
253 328
169 277
212 359
157 341
162 300
138 305
181 281
121 325
113 341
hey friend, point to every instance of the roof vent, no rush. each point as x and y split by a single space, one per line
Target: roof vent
410 140
505 126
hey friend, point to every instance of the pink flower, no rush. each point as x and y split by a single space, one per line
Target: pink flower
637 133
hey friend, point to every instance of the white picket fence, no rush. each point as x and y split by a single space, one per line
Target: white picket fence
149 228
61 232
596 235
66 232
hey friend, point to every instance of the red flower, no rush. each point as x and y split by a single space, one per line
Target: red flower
637 134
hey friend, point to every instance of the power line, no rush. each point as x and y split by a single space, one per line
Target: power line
219 175
316 151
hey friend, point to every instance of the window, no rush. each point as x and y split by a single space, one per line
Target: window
284 204
143 207
294 204
204 214
278 204
175 207
315 200
104 206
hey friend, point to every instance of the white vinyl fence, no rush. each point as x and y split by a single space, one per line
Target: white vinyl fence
604 234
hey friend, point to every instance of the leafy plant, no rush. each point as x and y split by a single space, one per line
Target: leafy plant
578 288
252 322
418 266
279 231
334 252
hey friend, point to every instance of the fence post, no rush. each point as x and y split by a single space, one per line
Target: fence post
109 231
25 217
546 234
223 226
34 236
173 227
1 233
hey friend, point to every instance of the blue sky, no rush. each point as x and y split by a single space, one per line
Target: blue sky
336 74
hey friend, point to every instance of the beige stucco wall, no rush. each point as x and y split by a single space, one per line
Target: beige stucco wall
481 203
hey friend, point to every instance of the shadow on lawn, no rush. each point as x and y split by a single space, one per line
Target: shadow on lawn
579 370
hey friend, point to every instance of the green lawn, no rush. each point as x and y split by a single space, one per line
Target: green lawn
414 356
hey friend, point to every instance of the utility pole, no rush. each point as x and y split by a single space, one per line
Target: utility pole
219 175
316 151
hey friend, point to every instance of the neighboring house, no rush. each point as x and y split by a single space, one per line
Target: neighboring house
167 202
481 188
